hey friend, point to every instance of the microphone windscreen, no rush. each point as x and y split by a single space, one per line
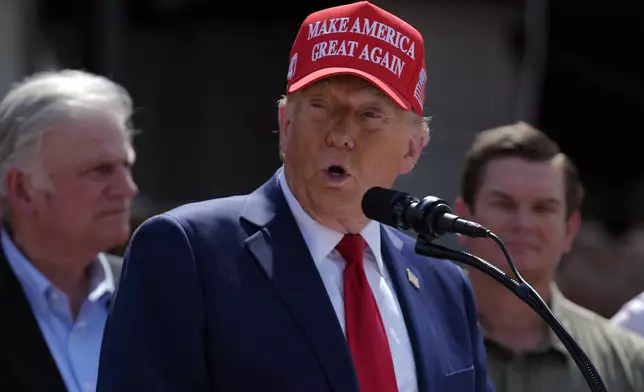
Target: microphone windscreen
377 204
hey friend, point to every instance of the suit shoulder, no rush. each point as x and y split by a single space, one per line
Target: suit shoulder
202 214
220 208
215 221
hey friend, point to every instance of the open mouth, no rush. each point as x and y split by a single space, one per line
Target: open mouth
337 171
336 175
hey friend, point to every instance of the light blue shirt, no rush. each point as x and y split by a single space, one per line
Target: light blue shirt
74 344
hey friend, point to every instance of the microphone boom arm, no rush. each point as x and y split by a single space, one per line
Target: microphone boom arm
528 295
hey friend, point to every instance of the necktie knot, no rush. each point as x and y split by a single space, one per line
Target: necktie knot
352 247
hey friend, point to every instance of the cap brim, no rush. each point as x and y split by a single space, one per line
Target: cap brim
326 72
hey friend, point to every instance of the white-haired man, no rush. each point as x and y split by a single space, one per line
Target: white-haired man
65 195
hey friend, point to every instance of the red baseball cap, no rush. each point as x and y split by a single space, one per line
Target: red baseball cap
364 40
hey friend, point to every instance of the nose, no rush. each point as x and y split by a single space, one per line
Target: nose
342 133
524 219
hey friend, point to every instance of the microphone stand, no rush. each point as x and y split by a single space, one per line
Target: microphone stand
525 292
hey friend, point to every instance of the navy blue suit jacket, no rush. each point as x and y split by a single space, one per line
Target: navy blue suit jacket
223 295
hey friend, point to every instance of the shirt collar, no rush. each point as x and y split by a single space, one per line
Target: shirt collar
322 240
101 277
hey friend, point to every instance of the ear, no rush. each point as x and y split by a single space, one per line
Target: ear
573 223
414 148
284 121
463 210
19 192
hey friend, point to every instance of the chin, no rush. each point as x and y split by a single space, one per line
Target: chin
323 209
337 198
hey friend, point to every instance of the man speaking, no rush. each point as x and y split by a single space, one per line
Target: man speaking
292 288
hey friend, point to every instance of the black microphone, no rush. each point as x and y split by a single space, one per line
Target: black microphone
430 216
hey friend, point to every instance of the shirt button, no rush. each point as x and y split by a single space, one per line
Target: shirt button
88 387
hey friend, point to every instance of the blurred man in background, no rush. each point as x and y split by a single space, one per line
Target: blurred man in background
292 288
65 194
518 184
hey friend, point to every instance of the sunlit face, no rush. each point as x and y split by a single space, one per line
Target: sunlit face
341 137
524 203
90 184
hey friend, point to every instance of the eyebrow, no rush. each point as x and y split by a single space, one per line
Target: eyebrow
378 95
107 159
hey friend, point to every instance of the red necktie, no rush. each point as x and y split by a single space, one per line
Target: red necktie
366 334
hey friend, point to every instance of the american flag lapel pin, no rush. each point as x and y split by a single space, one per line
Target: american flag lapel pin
413 279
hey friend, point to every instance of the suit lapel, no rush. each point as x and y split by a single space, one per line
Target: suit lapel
24 354
281 251
418 311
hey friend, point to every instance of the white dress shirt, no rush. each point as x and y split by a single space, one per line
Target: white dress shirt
631 315
321 242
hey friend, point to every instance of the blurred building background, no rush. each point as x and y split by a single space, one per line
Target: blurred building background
206 75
